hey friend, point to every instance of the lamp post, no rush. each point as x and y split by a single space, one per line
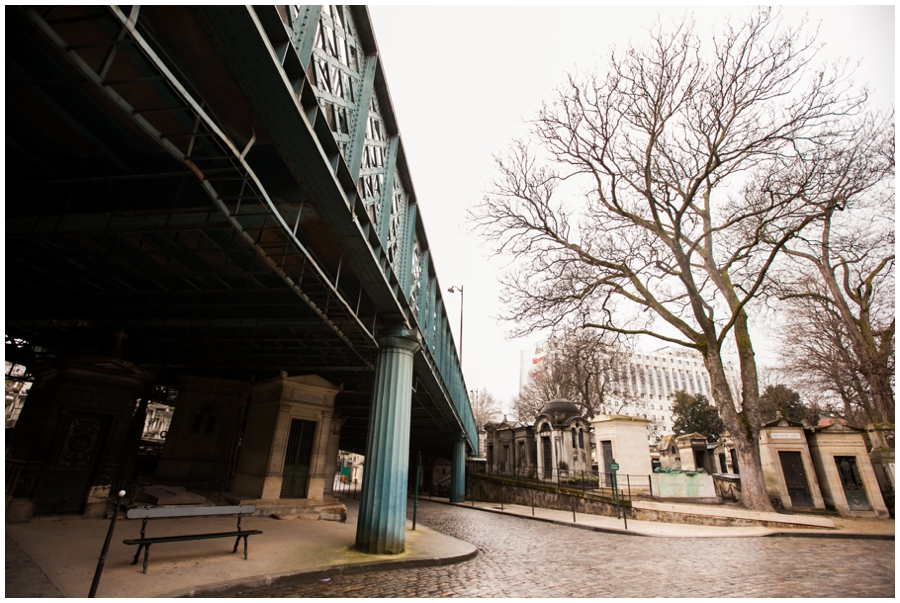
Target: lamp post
462 303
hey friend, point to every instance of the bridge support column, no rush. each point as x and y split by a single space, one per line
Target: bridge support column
458 470
381 528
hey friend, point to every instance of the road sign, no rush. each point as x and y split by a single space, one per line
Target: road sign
614 466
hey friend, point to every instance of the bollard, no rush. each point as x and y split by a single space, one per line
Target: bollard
532 503
102 561
573 509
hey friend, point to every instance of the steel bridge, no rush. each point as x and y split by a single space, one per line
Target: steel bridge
224 190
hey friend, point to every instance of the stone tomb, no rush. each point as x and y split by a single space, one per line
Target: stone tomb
787 465
565 445
72 441
202 438
846 477
287 461
623 439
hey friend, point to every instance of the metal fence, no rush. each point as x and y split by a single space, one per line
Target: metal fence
345 487
600 483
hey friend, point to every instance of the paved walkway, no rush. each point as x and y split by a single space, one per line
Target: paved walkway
822 527
57 556
53 556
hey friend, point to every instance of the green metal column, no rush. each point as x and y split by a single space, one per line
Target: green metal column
382 507
458 470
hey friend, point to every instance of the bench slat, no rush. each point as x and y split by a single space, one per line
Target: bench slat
159 512
187 537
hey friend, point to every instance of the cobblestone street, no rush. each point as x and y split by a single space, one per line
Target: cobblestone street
522 558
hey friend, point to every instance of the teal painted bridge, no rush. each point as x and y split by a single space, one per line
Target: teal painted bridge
224 190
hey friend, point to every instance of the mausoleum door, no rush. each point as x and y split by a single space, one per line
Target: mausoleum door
607 458
295 477
795 478
852 483
548 458
70 477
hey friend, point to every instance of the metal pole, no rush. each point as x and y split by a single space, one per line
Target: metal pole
532 503
650 481
462 306
501 499
102 561
416 497
615 493
573 509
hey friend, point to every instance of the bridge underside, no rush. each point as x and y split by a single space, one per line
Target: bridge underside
156 216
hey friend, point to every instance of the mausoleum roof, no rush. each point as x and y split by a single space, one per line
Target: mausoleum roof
560 406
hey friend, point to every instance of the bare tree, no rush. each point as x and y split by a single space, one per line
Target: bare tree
583 366
818 358
485 407
694 174
842 276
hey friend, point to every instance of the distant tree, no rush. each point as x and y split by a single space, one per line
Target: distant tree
781 398
694 414
817 356
583 366
485 407
525 408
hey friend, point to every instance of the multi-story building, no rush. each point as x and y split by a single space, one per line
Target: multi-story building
647 384
648 381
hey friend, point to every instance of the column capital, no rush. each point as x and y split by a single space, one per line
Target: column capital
399 337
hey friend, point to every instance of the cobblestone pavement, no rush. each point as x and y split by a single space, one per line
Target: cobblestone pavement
522 558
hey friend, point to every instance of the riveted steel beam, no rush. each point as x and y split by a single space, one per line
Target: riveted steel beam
233 154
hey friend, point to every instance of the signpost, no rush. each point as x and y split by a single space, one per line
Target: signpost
614 466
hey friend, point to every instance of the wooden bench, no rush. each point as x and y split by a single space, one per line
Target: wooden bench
148 513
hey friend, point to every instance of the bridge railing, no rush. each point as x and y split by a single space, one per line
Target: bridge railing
336 49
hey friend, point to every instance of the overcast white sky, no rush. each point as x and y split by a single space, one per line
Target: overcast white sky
464 79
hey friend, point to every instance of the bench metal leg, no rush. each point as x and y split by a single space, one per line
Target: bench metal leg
236 542
137 555
146 555
245 547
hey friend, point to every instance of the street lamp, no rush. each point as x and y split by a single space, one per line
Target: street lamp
462 303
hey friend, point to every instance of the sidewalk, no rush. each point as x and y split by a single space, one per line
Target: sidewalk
55 557
820 527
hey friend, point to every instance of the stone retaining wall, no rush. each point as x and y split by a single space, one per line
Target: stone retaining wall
497 490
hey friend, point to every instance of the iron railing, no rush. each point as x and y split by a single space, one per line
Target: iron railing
627 486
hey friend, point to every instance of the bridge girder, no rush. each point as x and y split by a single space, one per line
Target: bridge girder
187 182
